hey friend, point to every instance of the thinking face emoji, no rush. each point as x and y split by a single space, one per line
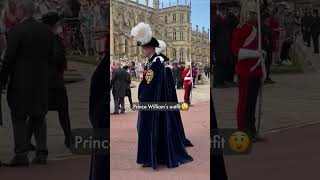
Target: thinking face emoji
239 142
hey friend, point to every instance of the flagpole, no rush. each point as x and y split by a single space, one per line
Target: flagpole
261 87
191 78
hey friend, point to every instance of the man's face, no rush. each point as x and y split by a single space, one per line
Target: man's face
148 51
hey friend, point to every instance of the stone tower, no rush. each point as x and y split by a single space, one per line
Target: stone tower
156 4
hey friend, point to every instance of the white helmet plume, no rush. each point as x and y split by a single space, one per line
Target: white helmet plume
162 47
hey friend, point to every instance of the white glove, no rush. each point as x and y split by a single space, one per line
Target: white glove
261 60
187 78
247 54
264 71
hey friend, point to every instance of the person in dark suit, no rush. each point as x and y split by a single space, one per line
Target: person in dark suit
309 20
175 73
119 83
99 117
58 98
179 75
25 64
315 30
222 47
128 90
304 27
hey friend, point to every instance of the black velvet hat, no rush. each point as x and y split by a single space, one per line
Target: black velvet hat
51 18
152 43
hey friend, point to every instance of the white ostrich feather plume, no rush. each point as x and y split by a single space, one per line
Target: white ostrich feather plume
162 47
142 33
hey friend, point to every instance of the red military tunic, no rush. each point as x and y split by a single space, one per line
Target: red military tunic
245 37
187 84
187 73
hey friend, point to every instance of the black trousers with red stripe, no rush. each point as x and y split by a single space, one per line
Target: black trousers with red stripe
248 95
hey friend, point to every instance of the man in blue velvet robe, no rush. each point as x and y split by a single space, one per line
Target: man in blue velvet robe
161 139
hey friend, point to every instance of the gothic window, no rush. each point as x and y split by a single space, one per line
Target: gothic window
188 17
174 35
165 19
174 18
181 55
174 54
181 35
181 18
165 33
125 46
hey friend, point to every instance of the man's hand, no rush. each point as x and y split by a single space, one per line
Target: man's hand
248 54
263 54
264 71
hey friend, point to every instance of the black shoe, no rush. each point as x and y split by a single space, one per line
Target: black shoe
122 112
269 81
258 138
19 161
115 112
40 160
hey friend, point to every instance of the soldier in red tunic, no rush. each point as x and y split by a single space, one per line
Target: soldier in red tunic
250 68
187 83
